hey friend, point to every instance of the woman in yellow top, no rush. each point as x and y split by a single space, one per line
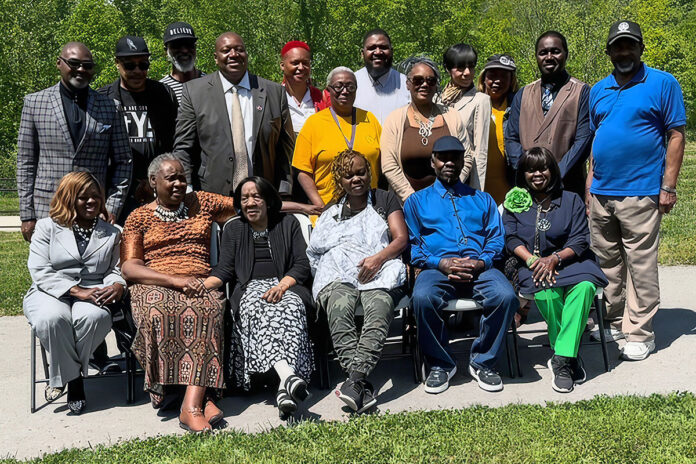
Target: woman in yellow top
331 131
499 81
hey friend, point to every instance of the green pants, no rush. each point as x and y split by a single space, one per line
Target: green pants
565 310
357 353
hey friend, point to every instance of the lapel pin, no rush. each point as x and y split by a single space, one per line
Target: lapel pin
259 108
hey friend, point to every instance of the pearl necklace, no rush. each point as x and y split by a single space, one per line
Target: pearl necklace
167 215
84 233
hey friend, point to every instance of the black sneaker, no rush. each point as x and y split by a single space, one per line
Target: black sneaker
351 393
369 396
76 396
487 379
561 380
577 370
438 380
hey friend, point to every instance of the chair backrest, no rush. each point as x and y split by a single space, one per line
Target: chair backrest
215 238
305 225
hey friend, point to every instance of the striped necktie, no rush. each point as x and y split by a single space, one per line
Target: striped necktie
546 98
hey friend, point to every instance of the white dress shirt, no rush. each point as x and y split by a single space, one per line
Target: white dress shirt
300 112
382 96
247 103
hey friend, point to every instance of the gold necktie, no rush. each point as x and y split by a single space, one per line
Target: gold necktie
241 162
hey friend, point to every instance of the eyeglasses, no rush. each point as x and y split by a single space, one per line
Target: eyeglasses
76 64
130 66
417 81
348 87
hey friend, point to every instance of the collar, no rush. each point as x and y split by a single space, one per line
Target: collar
559 81
72 93
639 77
459 189
382 80
227 85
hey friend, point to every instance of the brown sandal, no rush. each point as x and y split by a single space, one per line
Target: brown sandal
212 413
193 420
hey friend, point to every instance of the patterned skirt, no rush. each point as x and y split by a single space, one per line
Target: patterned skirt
179 339
266 333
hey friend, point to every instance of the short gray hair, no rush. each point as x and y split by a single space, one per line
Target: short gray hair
339 69
407 65
156 163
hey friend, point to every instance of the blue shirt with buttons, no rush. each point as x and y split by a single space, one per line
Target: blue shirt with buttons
455 221
630 123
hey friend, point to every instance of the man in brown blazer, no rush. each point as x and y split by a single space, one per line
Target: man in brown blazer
552 112
233 124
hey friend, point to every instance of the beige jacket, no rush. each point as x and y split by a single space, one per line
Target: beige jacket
474 109
390 146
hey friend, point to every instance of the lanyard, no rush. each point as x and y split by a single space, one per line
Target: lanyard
352 123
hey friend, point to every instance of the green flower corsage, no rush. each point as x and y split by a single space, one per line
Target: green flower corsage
517 200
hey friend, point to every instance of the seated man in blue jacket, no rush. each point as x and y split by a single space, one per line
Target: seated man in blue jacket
455 232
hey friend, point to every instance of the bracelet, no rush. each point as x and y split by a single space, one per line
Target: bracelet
531 260
669 189
560 260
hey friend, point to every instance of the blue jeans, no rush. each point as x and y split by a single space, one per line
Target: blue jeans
490 289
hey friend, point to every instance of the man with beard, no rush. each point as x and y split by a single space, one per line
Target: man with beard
455 233
180 47
381 89
149 111
70 127
552 113
233 124
637 115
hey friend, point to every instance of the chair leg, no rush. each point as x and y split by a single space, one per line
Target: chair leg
508 354
515 339
599 303
130 378
32 367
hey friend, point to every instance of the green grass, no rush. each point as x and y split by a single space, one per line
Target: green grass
9 206
14 275
624 429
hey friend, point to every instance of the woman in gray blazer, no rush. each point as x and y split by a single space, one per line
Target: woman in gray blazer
73 262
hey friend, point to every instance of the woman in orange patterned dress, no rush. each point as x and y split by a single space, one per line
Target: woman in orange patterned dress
165 255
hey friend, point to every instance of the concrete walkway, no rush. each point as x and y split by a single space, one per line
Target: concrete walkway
108 419
10 224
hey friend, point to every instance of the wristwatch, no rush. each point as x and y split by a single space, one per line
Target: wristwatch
668 189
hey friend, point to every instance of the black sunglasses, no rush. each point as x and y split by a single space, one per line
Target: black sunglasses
76 64
417 81
349 87
130 66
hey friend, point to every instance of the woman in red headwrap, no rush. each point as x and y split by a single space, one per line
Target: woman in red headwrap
303 99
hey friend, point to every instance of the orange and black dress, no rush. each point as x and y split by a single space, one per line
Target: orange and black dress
179 339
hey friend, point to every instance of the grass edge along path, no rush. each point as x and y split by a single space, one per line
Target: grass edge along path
620 429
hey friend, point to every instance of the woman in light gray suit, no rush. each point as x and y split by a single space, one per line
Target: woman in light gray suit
73 262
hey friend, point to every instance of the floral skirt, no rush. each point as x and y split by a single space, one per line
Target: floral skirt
179 339
266 333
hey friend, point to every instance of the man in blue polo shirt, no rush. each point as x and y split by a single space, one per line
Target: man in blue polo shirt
637 115
455 233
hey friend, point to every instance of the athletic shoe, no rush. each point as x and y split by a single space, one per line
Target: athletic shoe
561 379
487 379
577 370
637 351
369 396
609 335
438 380
351 393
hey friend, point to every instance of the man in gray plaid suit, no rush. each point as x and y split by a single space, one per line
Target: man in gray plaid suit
70 127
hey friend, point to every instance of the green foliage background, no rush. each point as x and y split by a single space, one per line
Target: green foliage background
34 30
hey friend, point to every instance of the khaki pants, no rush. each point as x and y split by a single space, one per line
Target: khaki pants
625 234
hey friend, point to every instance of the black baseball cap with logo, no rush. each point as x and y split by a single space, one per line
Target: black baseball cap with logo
624 29
499 61
131 46
179 31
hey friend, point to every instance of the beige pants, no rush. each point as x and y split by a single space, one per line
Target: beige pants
625 234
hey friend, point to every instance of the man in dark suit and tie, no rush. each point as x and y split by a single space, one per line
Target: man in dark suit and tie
68 127
233 124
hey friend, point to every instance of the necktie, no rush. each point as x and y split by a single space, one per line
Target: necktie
241 162
546 98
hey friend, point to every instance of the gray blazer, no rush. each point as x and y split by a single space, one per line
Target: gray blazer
45 151
55 263
203 138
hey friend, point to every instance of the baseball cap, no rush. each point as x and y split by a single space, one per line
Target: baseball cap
177 31
500 61
448 143
131 46
624 29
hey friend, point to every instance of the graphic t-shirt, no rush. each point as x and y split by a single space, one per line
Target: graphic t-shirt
134 106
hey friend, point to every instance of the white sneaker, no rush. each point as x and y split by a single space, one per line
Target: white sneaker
637 351
609 335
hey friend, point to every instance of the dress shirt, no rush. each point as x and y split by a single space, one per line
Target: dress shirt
455 221
75 108
382 96
300 112
247 103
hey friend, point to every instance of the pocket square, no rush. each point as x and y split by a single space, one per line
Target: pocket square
101 128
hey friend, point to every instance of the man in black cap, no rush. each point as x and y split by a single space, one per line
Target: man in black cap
638 117
149 109
455 233
180 47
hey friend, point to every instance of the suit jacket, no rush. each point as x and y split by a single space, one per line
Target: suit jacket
203 139
45 151
55 264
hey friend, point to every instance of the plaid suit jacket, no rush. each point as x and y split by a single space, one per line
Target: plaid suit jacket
45 151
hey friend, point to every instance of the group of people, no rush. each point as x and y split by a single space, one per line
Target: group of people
479 188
